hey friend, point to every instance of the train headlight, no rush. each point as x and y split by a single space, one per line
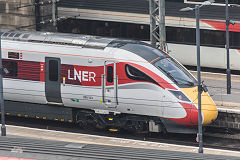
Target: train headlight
179 95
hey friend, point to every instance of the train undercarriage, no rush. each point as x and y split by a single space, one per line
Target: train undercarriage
116 122
85 118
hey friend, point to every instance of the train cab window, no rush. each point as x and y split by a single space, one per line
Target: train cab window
110 74
53 70
10 68
135 74
175 72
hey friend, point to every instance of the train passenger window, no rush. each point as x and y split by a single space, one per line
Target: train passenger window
53 70
234 39
110 74
135 74
10 68
11 34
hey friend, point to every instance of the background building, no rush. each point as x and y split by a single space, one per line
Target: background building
26 15
14 16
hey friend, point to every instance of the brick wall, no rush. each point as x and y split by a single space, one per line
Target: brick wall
229 120
13 16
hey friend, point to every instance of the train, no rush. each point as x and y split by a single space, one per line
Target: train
102 82
130 19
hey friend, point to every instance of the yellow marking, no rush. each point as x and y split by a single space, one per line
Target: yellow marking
56 119
0 112
101 101
44 117
64 78
7 113
61 120
70 121
25 115
53 103
155 59
110 119
209 108
113 130
37 117
19 115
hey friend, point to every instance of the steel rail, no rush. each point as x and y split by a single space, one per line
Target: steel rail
108 154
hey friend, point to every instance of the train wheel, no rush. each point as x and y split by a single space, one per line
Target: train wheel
136 126
81 120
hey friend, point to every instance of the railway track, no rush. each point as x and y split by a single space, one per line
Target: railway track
90 151
213 138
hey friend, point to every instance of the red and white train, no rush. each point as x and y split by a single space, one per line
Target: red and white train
107 83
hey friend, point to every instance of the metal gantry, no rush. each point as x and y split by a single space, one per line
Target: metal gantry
38 7
157 24
54 12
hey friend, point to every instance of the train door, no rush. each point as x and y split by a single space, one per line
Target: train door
110 84
53 80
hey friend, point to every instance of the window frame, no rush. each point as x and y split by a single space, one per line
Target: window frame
53 76
145 77
110 74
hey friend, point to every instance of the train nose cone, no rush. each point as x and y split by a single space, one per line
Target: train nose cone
209 108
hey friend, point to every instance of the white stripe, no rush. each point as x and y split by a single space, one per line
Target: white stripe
123 139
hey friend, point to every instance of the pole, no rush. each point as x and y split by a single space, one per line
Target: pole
37 15
228 71
200 150
3 127
54 12
162 28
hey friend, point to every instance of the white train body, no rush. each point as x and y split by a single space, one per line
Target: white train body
104 76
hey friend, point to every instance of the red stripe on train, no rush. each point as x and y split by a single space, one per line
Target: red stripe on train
191 119
163 83
221 25
42 71
80 75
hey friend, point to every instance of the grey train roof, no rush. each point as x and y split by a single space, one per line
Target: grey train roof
86 41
